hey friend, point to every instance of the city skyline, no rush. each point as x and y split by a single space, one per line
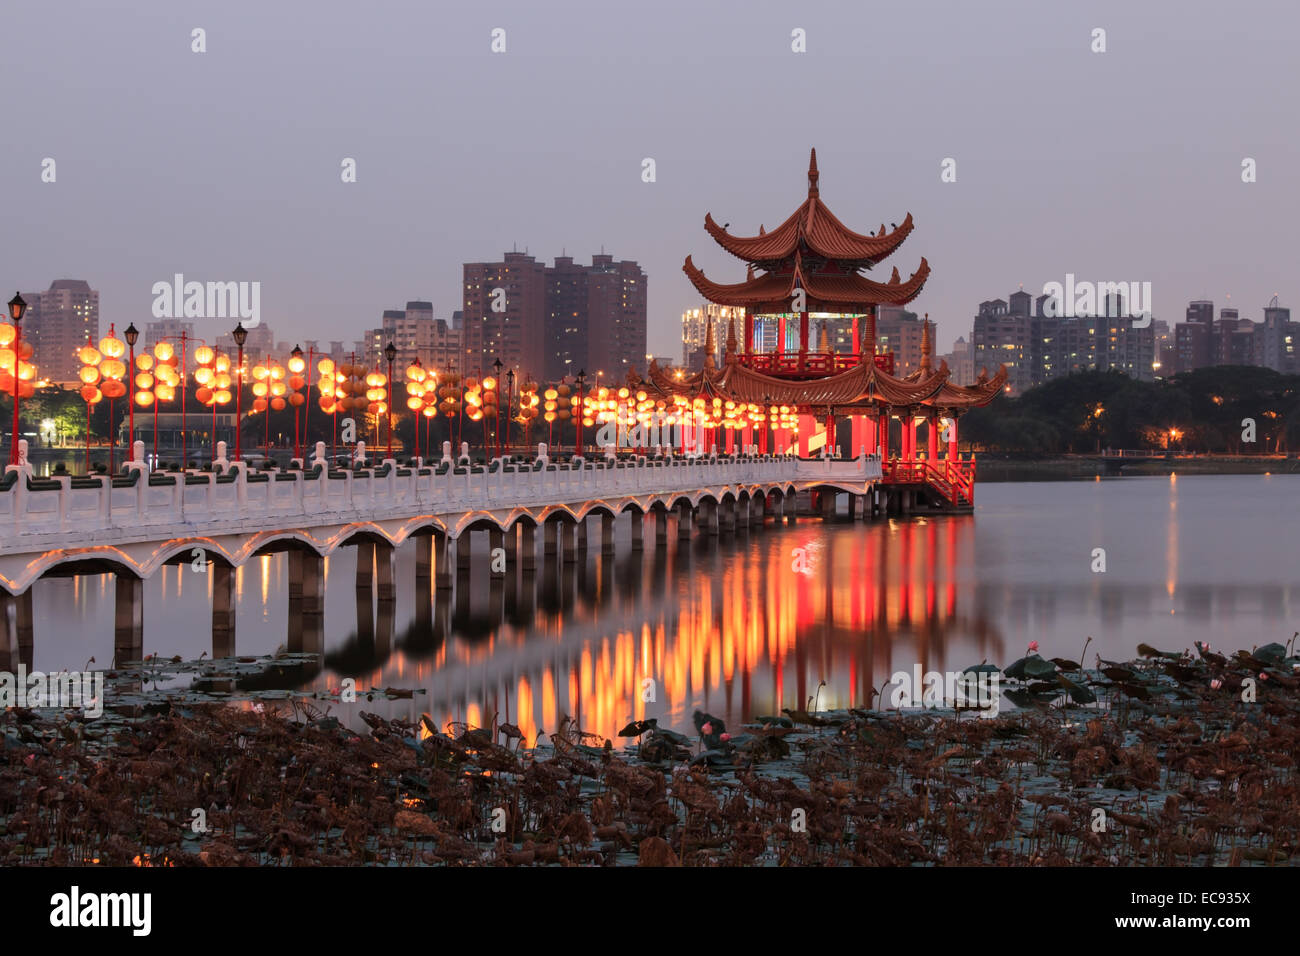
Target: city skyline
193 198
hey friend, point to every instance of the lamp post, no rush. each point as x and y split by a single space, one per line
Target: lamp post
581 443
132 336
296 367
510 399
240 335
17 309
496 364
390 353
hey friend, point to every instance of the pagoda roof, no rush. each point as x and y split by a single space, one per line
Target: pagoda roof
813 227
772 291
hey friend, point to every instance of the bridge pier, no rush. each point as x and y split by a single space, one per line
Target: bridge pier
496 539
789 507
128 619
756 508
385 559
727 518
464 552
582 538
443 555
706 517
826 498
569 531
423 556
853 507
550 532
365 565
223 607
607 533
529 546
17 642
661 526
512 548
684 521
638 529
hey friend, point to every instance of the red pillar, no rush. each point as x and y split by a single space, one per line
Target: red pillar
803 335
749 332
857 345
952 438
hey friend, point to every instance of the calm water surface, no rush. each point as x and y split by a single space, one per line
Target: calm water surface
742 627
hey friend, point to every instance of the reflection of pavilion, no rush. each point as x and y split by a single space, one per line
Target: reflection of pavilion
743 634
813 264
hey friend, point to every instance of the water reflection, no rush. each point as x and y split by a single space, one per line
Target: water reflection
746 626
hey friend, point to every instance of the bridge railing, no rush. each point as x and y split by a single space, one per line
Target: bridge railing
37 506
63 504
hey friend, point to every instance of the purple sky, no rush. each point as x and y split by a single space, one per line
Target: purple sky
226 165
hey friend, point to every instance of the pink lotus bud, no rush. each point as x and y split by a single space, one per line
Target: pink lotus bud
1216 684
1263 675
707 729
1033 647
725 737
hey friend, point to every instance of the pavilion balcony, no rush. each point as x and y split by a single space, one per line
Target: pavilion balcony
809 364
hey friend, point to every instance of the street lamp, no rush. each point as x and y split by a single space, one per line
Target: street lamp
581 380
390 353
240 335
510 398
496 364
132 336
17 309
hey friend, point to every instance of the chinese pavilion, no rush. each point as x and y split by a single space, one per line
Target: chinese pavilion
813 266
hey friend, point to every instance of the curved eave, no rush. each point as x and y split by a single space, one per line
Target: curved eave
972 396
820 230
773 291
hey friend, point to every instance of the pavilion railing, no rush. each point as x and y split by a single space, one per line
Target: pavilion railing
798 364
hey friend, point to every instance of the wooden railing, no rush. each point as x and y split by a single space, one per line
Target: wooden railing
952 478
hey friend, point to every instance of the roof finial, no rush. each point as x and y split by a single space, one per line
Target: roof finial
926 344
812 173
731 334
823 339
709 345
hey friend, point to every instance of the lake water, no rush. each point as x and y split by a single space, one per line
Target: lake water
747 626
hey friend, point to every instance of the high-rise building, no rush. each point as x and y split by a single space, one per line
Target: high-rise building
505 315
595 317
58 323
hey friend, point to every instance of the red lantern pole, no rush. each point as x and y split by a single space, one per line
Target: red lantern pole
239 390
18 359
87 437
183 375
306 414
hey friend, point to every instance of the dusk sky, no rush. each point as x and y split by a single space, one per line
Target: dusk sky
225 165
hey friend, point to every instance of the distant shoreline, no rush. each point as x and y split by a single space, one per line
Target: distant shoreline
993 467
